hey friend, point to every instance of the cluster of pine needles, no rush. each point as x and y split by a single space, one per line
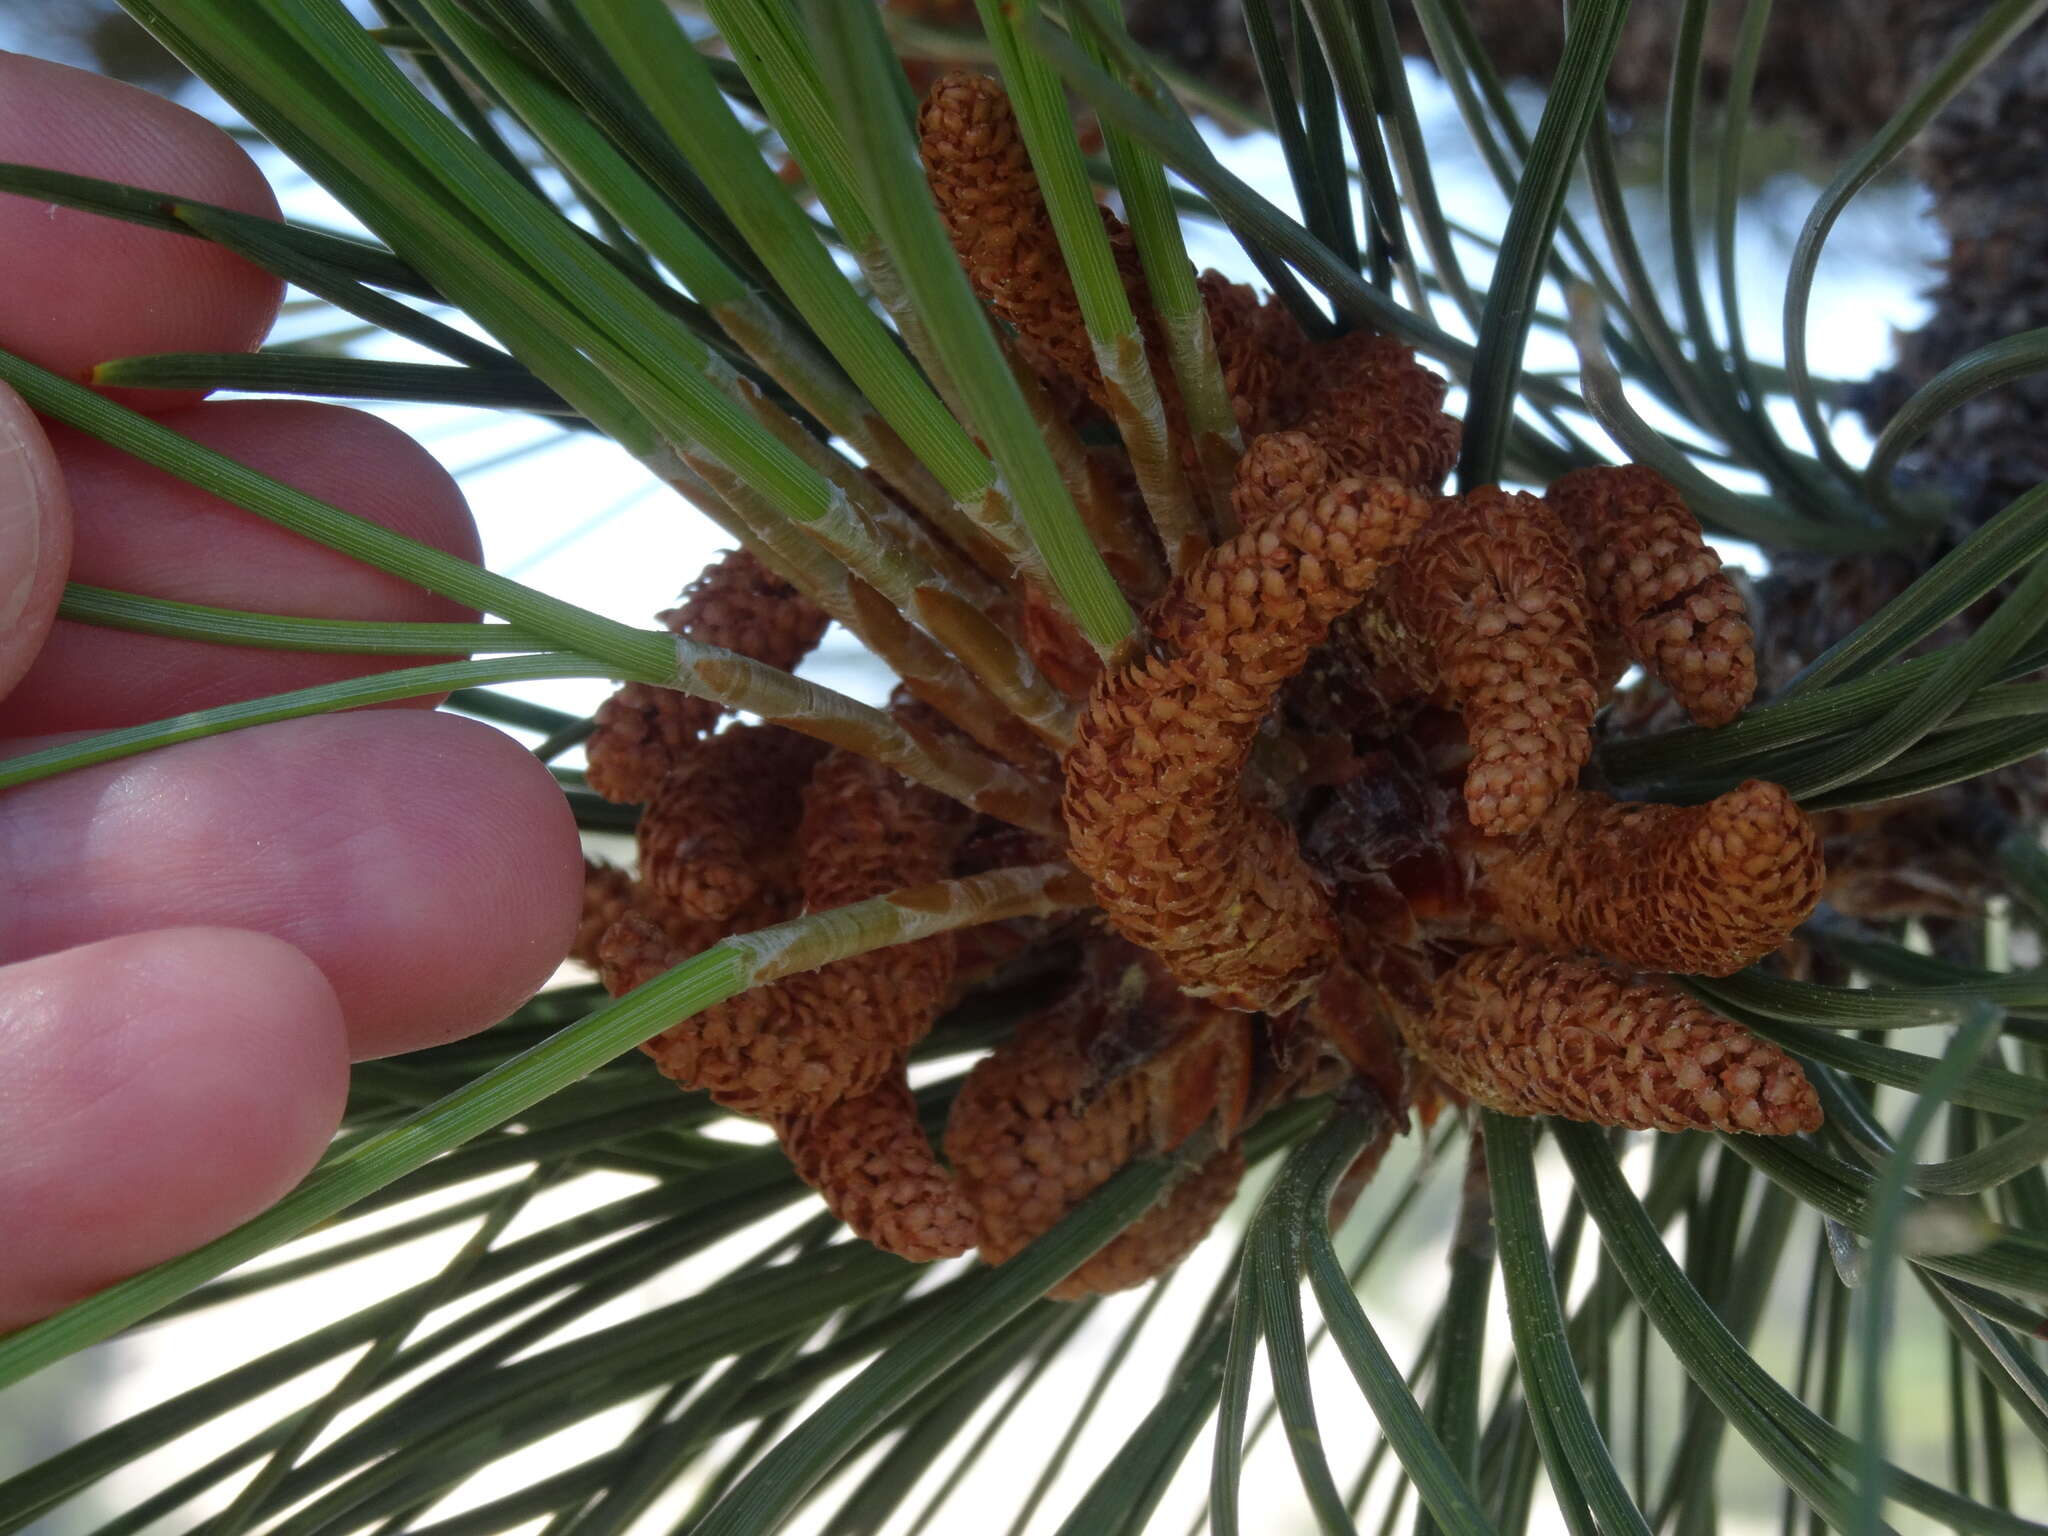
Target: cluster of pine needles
1267 780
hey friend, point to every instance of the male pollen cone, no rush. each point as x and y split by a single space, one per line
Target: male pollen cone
1534 1034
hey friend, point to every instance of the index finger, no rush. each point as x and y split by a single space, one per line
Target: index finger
76 288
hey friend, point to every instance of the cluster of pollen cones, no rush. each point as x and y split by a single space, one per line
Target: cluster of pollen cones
1329 810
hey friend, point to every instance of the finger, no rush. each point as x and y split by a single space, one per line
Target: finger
427 864
160 1088
138 529
35 537
77 288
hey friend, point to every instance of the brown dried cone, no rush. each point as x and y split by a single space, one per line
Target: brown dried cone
1376 411
1487 608
1048 1116
1534 1034
871 1160
607 894
1179 859
714 840
643 731
1658 593
1706 889
835 1032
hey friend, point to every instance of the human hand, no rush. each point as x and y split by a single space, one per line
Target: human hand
195 942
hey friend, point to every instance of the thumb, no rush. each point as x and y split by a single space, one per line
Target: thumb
35 537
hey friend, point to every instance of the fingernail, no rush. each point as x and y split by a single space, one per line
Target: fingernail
23 489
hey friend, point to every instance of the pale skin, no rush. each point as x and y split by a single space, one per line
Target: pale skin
196 942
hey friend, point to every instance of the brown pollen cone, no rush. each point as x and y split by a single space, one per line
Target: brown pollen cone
1533 1034
633 951
1900 859
1057 648
871 1160
643 731
1049 1115
1164 1235
1281 473
715 837
1705 889
648 935
835 1032
1346 1011
647 939
1180 860
1487 607
981 178
1262 351
1376 411
607 894
1657 587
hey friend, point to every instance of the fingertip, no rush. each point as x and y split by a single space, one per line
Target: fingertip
496 918
162 1088
78 288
